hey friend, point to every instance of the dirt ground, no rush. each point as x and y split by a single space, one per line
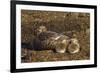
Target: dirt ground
68 23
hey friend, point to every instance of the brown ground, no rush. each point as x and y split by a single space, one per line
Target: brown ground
67 23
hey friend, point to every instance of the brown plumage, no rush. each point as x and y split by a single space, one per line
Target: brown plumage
52 41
